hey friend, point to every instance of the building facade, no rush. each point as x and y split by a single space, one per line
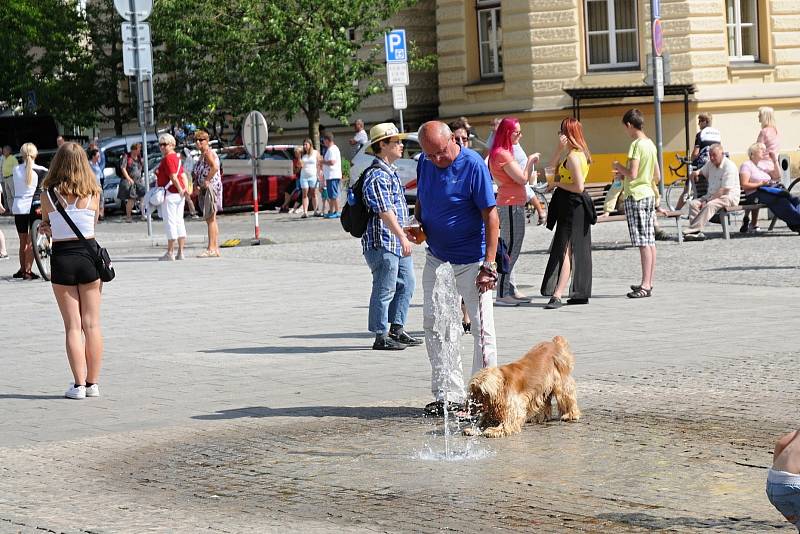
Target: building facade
519 57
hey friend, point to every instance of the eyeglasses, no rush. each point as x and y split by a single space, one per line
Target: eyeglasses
162 144
442 153
462 140
518 132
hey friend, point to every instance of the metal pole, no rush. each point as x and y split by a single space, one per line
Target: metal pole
402 128
656 100
140 102
255 132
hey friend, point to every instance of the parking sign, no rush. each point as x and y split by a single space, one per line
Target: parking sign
396 47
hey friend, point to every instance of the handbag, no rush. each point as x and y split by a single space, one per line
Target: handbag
155 196
502 258
101 258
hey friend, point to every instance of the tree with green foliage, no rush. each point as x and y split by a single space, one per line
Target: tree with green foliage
281 57
47 54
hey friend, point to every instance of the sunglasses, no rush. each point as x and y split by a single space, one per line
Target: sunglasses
163 144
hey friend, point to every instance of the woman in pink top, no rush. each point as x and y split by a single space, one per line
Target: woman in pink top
511 199
763 187
769 138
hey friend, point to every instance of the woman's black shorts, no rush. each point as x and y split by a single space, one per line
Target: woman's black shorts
23 223
71 264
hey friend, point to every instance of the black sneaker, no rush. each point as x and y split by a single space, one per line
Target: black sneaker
18 274
436 409
554 304
401 336
574 301
387 343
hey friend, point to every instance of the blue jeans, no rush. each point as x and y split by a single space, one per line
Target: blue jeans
783 491
392 288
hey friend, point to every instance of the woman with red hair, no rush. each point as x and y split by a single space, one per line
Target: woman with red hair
511 199
572 214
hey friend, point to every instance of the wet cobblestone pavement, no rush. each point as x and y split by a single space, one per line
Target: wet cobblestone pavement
672 448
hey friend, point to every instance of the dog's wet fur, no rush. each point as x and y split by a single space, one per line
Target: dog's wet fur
506 397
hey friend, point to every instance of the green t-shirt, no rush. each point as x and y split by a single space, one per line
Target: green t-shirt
641 187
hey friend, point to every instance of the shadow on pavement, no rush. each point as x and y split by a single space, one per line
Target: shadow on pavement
731 524
17 396
755 268
358 412
285 350
335 335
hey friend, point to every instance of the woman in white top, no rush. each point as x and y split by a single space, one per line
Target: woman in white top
75 280
310 161
26 180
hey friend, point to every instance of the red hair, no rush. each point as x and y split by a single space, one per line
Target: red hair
571 128
502 136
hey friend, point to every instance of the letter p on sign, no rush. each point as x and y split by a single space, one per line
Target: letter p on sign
396 47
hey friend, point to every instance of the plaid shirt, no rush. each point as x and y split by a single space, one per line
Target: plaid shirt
384 192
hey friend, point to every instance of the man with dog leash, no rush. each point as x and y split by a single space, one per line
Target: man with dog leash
456 209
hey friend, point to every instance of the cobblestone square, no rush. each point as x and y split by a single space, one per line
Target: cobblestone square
241 395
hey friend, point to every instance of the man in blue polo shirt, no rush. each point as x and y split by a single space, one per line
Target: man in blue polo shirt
456 209
385 245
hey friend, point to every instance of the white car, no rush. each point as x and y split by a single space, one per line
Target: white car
406 166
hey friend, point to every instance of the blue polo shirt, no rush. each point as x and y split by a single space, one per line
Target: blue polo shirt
451 201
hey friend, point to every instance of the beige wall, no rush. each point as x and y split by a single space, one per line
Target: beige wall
544 52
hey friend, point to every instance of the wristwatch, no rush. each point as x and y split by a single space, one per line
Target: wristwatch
489 265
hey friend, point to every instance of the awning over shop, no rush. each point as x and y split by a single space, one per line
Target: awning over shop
596 93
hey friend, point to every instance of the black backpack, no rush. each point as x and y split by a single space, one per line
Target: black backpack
355 213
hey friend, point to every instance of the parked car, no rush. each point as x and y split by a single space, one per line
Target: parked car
406 165
276 174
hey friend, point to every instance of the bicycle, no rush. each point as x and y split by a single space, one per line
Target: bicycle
682 190
42 244
539 189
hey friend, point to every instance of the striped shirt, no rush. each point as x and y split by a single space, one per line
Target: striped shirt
383 192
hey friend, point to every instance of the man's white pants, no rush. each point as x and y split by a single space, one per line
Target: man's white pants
450 382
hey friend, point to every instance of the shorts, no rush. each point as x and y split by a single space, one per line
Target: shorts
71 264
307 183
641 216
783 491
23 223
333 185
128 190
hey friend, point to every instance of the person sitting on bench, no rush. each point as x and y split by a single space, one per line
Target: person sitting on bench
723 192
763 187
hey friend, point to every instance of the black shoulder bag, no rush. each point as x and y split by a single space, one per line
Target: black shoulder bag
101 258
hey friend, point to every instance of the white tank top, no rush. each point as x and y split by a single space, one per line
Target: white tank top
82 217
309 162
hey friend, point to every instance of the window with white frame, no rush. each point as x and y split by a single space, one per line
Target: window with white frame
612 34
490 38
742 18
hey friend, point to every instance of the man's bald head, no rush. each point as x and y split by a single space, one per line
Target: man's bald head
434 131
437 142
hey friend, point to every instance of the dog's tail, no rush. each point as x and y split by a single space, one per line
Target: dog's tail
564 360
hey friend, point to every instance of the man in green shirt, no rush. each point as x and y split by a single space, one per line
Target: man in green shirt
640 208
7 167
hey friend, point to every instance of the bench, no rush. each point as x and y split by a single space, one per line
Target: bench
723 216
597 192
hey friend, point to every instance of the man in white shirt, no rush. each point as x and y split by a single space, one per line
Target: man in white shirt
359 139
332 174
724 191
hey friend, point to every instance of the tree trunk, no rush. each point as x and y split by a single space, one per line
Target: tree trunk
313 126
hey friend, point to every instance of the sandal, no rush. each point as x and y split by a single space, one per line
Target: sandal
640 293
541 219
207 254
634 287
466 326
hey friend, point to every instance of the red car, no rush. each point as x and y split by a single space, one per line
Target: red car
275 174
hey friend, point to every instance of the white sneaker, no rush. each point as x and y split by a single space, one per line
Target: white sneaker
506 301
523 299
93 391
167 257
179 256
76 392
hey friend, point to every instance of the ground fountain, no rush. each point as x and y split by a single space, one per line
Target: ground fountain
448 330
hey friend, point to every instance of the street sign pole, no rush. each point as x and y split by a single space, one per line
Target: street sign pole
256 136
397 68
658 86
141 114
